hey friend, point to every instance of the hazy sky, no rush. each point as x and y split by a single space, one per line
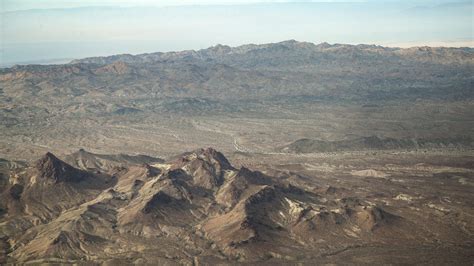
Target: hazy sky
13 5
33 30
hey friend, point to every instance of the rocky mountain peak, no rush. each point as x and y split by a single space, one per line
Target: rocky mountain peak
210 154
51 168
207 166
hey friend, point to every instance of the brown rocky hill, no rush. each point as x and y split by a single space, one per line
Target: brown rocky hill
196 207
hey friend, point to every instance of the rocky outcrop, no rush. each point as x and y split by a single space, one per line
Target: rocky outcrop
50 168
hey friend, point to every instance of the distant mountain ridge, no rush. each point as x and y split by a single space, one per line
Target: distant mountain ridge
285 80
220 75
226 53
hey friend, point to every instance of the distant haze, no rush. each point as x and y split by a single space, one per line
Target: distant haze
56 31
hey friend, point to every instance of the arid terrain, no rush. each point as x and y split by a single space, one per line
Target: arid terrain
279 153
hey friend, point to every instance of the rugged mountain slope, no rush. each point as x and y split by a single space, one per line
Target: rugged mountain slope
49 187
196 207
87 160
287 69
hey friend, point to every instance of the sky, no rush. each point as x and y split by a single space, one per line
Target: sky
49 31
14 5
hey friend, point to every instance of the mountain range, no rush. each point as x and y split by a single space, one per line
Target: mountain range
194 208
334 154
282 70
